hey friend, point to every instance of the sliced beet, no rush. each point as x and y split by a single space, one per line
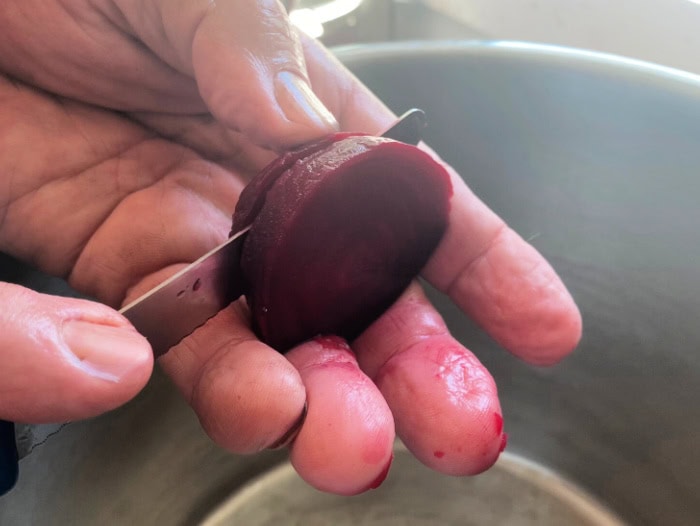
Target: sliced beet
338 231
253 195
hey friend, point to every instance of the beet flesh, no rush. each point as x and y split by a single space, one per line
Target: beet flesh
338 231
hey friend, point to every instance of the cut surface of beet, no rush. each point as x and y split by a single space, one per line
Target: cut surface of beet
338 231
253 196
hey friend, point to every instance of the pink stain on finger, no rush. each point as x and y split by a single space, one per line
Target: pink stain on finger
499 423
382 475
440 386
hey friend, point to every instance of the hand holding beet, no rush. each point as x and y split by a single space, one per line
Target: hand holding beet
167 112
339 229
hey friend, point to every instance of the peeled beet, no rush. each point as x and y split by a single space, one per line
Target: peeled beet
339 229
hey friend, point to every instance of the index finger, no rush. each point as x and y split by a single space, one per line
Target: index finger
485 267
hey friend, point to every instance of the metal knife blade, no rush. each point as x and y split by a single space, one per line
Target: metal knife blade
175 308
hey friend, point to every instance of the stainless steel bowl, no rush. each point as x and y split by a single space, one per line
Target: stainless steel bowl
597 161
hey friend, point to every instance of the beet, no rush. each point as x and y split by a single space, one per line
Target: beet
339 229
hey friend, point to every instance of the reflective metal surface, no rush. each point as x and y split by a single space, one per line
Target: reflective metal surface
596 161
186 300
514 492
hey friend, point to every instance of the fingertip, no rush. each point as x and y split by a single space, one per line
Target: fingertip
438 385
383 474
286 116
111 363
513 292
249 399
346 443
247 396
561 341
444 401
547 330
109 352
67 359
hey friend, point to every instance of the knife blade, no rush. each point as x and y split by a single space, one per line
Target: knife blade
175 308
185 301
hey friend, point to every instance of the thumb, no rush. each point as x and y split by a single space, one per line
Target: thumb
65 359
249 65
247 61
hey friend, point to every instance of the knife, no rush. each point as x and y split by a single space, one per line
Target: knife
175 308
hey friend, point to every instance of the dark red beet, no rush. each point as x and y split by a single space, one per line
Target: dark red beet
339 229
253 195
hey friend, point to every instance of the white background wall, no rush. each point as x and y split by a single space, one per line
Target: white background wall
662 31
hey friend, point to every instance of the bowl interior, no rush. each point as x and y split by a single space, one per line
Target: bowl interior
595 160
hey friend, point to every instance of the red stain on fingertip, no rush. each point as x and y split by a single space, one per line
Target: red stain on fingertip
439 454
504 442
499 423
382 476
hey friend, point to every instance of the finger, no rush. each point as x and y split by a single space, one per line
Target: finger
345 444
503 283
247 396
486 268
354 105
444 401
246 59
210 139
65 359
182 215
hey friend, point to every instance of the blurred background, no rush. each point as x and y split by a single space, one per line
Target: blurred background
661 31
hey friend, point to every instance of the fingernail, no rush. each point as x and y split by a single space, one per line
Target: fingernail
300 104
104 351
292 432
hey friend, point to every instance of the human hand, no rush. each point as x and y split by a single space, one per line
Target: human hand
73 172
127 208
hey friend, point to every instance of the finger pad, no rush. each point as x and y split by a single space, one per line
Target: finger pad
520 300
243 410
445 405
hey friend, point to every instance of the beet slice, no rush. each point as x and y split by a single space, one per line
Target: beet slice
338 231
